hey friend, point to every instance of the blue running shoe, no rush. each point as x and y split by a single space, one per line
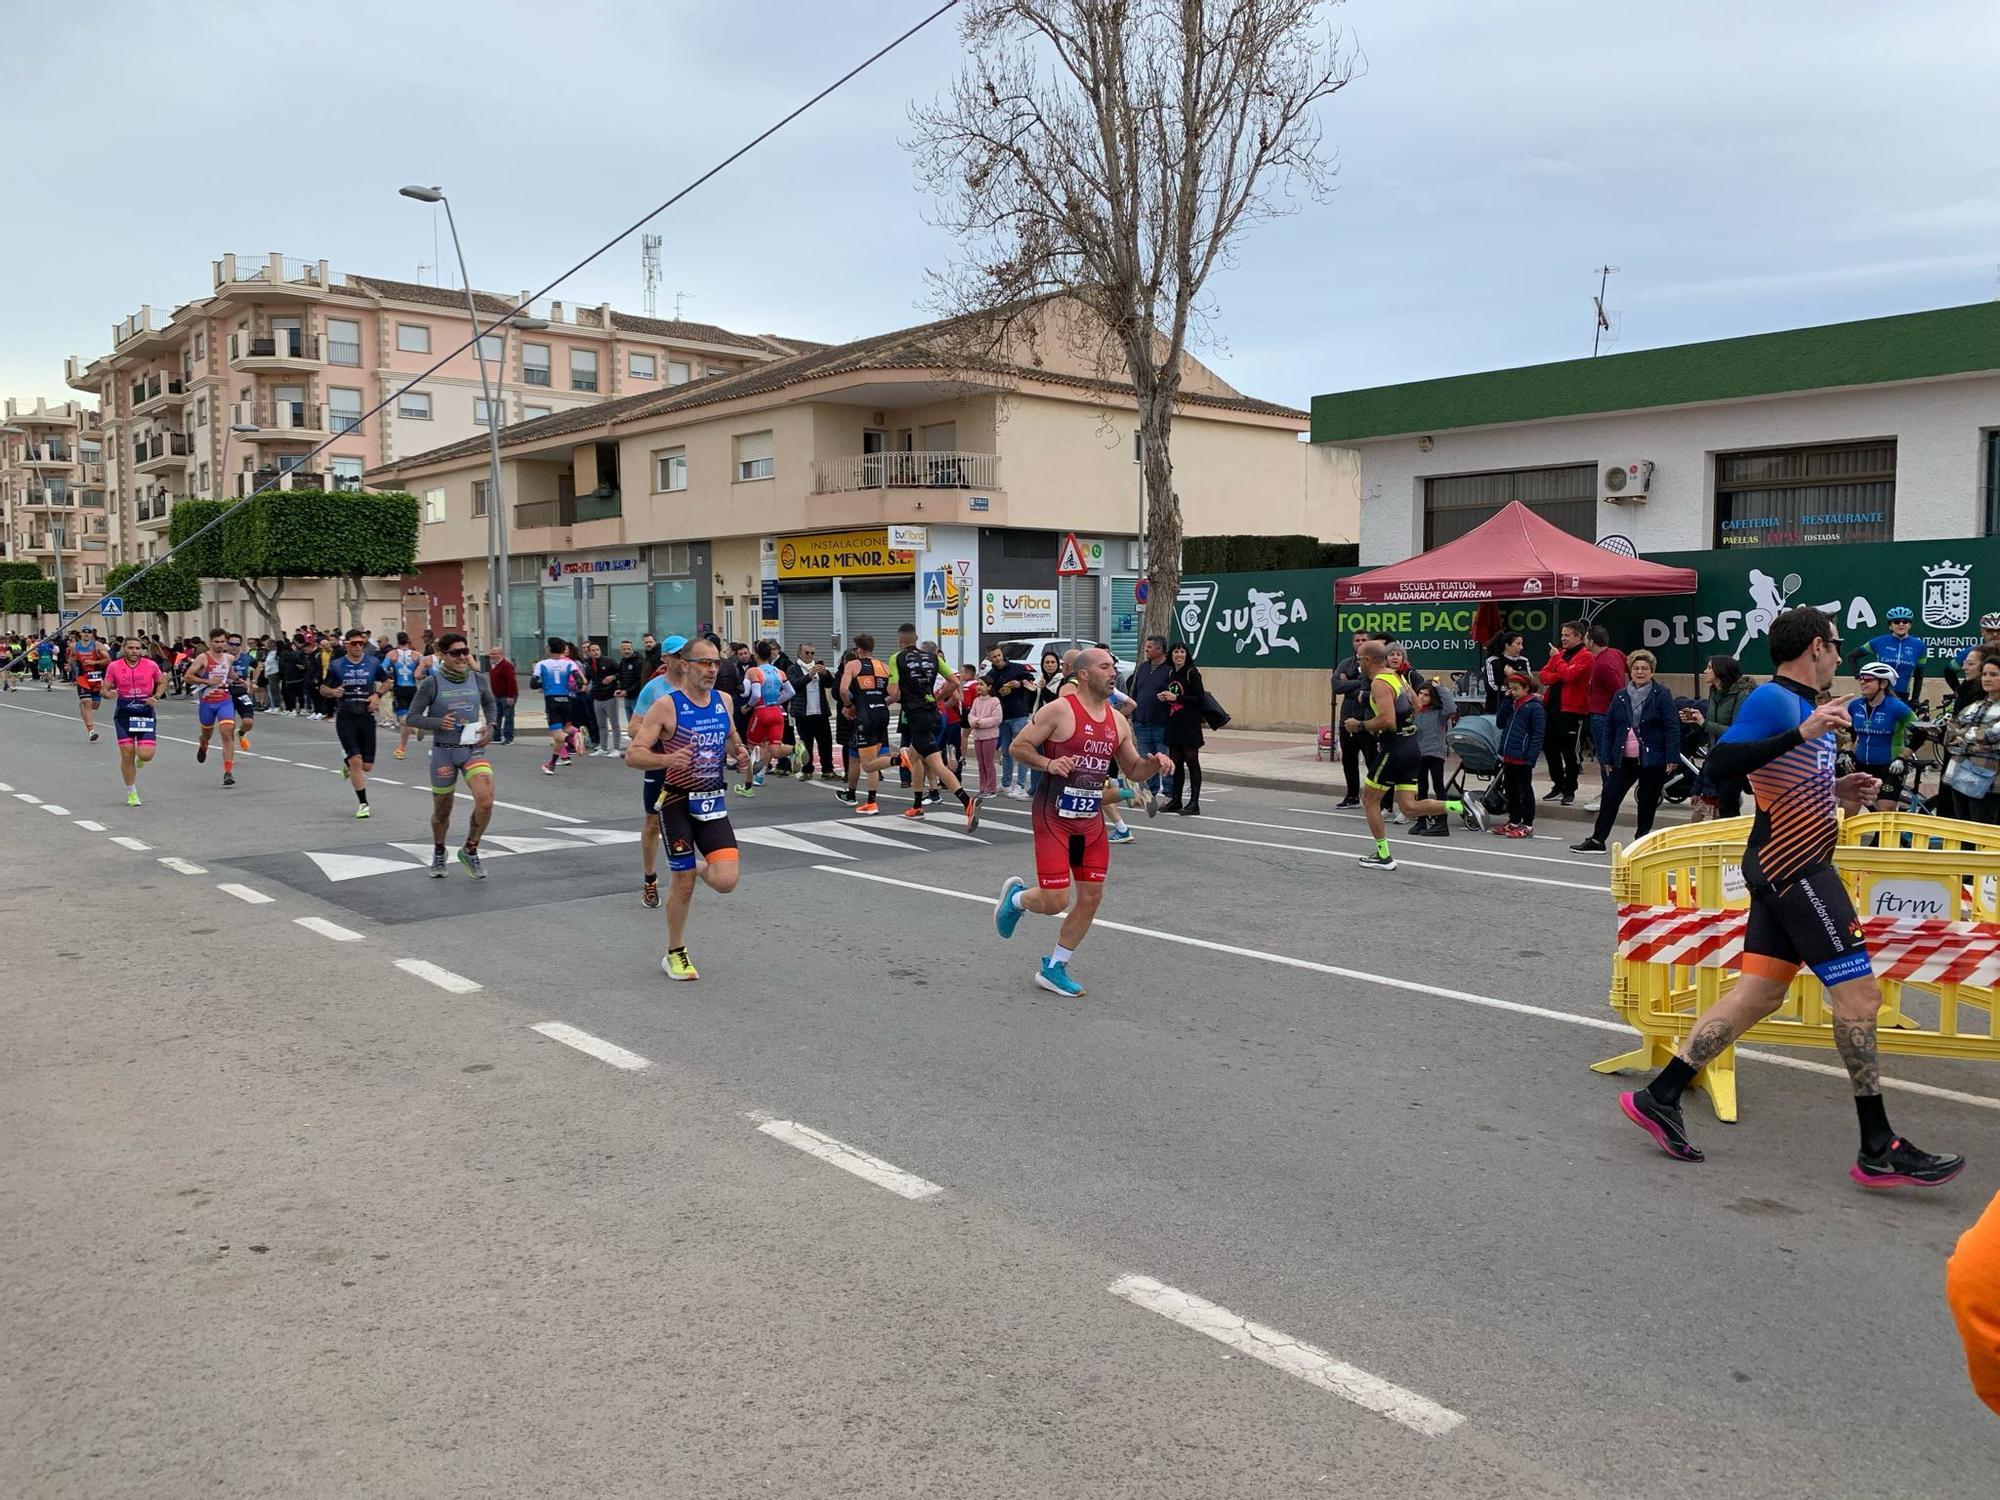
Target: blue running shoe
1120 834
1006 917
1055 977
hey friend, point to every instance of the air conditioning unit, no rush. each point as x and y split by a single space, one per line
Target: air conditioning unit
1627 484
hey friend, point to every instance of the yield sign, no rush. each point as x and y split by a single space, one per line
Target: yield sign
1069 561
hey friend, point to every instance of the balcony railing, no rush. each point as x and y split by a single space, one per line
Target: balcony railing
161 445
545 513
279 479
906 471
47 453
272 274
289 344
280 416
156 389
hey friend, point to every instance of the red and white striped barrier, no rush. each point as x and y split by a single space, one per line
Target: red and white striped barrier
1918 950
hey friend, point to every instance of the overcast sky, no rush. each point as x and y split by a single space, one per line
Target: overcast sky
1748 167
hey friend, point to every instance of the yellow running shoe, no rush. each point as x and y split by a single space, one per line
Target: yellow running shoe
677 966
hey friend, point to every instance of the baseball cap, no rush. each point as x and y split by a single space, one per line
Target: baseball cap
1879 669
673 645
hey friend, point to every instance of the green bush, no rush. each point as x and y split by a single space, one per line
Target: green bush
28 596
169 589
13 570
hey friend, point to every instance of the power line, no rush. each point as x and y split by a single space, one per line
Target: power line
626 233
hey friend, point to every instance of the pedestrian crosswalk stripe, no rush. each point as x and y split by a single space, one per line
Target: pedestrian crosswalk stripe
833 829
778 838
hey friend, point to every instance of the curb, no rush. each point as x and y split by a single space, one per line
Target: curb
1670 814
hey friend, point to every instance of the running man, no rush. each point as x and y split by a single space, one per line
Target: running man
134 680
405 666
664 680
1799 908
768 690
1087 737
864 698
689 735
215 670
243 689
1880 721
89 658
455 704
1397 758
920 677
354 684
556 675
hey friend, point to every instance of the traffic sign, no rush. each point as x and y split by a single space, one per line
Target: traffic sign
110 605
1141 591
1069 561
934 588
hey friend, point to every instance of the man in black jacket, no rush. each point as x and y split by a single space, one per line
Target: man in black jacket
812 705
1149 714
1349 689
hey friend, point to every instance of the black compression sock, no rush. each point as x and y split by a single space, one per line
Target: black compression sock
361 795
1672 1079
1875 1131
964 797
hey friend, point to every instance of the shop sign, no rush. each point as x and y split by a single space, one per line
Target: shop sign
567 567
864 553
910 538
1028 611
1281 618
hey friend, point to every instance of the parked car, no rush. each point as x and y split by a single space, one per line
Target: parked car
1030 651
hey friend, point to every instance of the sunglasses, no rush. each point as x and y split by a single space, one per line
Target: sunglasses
458 651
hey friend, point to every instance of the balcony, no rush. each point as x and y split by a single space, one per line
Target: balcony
157 392
93 473
142 334
577 511
906 471
162 450
272 276
50 499
282 421
48 456
78 376
251 481
151 510
281 349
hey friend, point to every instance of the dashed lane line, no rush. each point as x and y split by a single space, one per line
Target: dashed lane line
50 807
28 797
125 841
245 893
596 1046
848 1158
328 929
1293 1356
184 866
444 979
90 826
1488 1002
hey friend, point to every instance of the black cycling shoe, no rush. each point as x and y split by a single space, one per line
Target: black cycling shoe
1900 1164
1662 1122
1588 846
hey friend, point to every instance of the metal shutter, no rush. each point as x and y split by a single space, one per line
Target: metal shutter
880 615
808 617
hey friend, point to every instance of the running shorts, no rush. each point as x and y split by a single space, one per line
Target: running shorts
211 714
135 723
1809 920
1892 784
91 695
1396 764
921 731
685 832
767 725
871 730
1066 847
403 697
449 762
357 735
246 706
557 710
653 784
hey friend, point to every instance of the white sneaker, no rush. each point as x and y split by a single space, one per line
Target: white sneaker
1591 806
1018 793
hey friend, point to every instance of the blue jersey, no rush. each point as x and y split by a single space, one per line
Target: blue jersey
404 664
656 688
1798 821
707 730
1903 653
553 675
1878 731
355 679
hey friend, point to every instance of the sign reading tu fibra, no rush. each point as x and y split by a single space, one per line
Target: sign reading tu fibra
1282 618
1945 584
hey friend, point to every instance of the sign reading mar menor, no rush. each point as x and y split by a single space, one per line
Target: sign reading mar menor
863 553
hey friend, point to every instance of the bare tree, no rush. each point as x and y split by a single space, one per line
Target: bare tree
1114 151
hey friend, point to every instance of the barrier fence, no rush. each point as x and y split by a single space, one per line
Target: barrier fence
1927 891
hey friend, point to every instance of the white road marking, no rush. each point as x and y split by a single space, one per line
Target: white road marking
1483 850
4 787
339 867
1283 1352
444 979
778 838
386 780
604 835
533 812
596 1046
848 1158
833 829
50 807
28 797
130 843
1489 1002
931 829
186 867
245 893
518 843
86 823
328 929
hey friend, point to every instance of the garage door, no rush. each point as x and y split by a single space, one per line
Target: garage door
808 617
880 615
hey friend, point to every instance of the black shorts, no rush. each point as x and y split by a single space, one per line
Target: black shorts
246 706
356 729
402 697
558 712
652 784
871 729
685 834
1808 920
1396 763
923 729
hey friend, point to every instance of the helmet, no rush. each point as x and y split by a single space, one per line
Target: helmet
1900 612
1990 622
1880 670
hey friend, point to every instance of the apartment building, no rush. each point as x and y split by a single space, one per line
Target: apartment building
854 488
53 491
277 368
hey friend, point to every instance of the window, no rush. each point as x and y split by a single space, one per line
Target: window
416 405
343 341
89 451
677 372
343 409
1843 492
1993 484
479 497
347 473
641 366
450 615
482 412
413 338
670 470
200 345
201 412
583 369
492 346
753 456
433 507
204 479
535 364
529 413
1565 497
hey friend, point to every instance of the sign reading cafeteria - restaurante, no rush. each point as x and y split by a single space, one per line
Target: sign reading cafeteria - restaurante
842 554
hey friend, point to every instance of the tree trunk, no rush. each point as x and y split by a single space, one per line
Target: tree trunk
266 601
1163 517
355 599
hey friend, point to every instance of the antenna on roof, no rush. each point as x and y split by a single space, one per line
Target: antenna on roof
422 266
679 298
1603 324
649 261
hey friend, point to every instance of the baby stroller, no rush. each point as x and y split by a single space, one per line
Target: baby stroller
1684 779
1475 740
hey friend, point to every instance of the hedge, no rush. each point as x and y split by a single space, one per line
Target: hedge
169 589
28 596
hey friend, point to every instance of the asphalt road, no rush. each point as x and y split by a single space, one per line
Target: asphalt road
291 1219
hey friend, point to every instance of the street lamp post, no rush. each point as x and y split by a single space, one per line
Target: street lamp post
496 522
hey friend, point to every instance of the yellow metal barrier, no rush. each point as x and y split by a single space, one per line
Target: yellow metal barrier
1907 875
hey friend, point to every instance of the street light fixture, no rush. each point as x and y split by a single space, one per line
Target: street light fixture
496 526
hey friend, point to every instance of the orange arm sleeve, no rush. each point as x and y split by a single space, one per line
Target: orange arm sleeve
1972 1287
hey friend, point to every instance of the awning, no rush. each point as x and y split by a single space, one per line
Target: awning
1515 555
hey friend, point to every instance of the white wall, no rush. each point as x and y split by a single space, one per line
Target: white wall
1937 425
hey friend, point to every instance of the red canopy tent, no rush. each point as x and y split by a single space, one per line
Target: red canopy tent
1515 555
